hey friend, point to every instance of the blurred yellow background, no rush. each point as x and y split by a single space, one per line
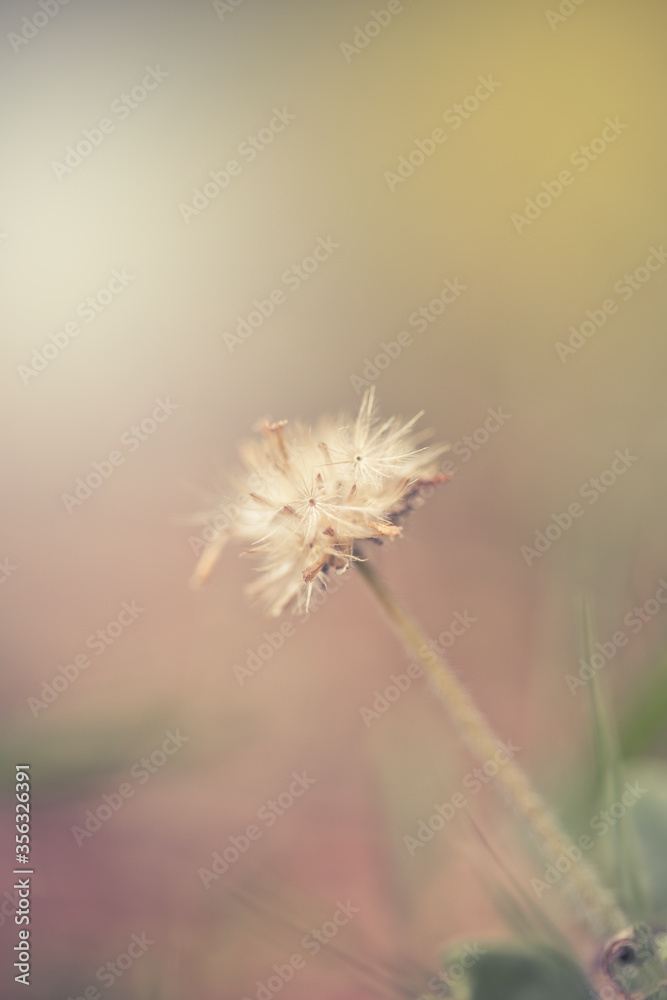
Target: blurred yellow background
319 122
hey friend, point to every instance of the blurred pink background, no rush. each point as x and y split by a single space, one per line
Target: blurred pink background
162 337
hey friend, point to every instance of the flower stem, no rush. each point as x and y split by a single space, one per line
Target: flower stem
602 913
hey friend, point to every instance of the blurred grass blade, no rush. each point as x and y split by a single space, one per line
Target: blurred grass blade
526 917
625 873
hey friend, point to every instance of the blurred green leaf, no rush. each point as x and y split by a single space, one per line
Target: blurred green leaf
649 816
67 758
511 972
645 720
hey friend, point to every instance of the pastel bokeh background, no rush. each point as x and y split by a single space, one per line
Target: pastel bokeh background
329 112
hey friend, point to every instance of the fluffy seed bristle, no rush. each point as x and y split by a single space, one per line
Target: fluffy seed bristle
307 495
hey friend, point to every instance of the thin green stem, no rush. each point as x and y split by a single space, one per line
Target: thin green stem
600 909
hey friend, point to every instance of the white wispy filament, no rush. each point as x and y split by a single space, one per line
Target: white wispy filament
310 493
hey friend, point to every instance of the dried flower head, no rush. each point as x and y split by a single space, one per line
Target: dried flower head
307 495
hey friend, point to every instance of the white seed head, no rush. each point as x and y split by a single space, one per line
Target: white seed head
306 495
